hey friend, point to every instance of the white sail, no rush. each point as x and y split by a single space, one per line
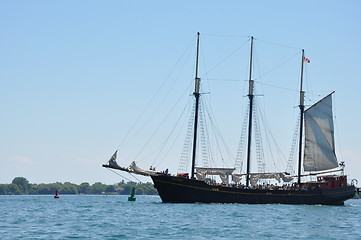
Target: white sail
319 151
223 173
134 168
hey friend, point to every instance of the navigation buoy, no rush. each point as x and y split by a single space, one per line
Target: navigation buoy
56 194
131 197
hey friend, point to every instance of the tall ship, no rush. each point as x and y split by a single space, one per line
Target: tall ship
316 155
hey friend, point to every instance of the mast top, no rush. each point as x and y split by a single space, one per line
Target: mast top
302 93
251 81
197 79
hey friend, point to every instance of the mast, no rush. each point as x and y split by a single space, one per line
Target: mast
196 95
302 110
250 96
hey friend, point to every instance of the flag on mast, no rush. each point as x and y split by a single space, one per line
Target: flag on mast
306 60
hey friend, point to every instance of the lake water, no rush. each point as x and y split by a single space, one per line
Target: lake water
113 217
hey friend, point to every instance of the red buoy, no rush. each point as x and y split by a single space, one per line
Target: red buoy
56 194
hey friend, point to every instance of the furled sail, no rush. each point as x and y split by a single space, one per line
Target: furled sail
319 151
135 169
223 173
277 175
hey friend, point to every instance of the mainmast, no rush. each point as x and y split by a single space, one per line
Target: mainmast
302 110
250 96
196 95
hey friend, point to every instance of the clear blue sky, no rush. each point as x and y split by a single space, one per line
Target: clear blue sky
74 75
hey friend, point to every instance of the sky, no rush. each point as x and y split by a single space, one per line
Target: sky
76 75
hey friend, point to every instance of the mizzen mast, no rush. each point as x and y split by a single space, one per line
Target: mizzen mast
302 110
196 95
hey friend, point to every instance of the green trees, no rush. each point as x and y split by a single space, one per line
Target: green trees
83 188
68 188
98 188
13 189
3 189
21 185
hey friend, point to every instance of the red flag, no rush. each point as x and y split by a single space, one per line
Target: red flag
306 60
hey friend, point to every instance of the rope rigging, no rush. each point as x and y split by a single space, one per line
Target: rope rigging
145 186
184 56
187 146
291 167
159 125
210 133
242 143
162 146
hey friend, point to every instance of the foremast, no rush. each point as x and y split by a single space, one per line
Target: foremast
250 96
196 95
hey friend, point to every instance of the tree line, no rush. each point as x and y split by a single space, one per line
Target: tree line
21 186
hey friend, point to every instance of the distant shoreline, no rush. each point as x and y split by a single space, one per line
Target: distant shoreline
21 186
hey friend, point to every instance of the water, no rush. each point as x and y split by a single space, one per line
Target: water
113 217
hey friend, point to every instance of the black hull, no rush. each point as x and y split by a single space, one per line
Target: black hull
182 190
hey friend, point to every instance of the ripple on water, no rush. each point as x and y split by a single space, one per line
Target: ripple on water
113 217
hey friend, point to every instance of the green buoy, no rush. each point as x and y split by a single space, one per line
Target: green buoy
131 197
